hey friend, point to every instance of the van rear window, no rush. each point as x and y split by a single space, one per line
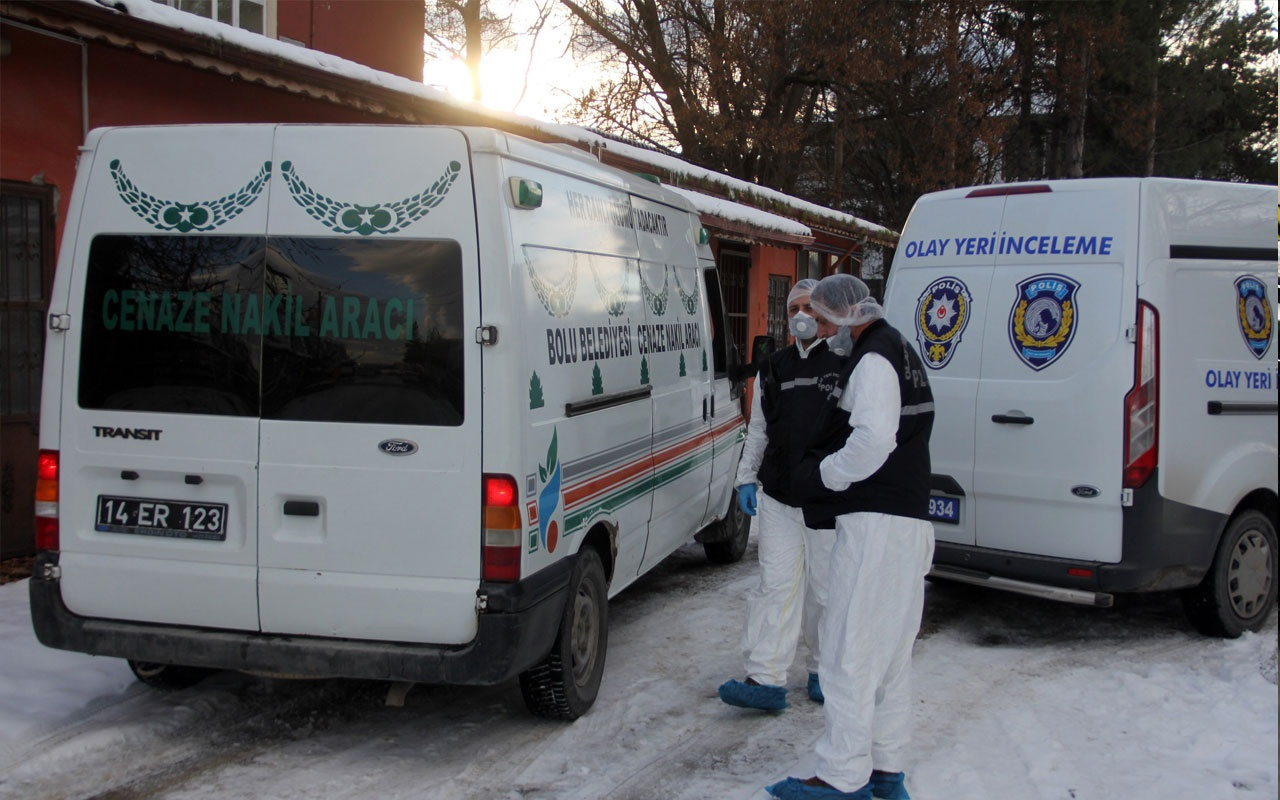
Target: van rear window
311 329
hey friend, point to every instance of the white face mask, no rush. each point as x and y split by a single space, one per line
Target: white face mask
803 326
842 343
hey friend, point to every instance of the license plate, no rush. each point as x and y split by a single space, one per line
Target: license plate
174 519
944 509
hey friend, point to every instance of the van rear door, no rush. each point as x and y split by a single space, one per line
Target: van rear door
369 494
935 290
1049 424
159 417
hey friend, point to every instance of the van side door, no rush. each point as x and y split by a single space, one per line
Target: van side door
671 344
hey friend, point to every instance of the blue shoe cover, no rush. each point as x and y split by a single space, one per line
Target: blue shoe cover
815 689
888 786
796 789
746 695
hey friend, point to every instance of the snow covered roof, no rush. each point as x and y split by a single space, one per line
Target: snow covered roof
674 168
736 212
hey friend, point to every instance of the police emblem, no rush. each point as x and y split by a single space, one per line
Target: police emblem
1253 313
942 312
1043 319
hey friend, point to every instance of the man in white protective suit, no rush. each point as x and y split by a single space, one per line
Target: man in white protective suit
789 391
870 471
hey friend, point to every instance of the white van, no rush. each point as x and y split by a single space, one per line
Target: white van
1102 356
381 402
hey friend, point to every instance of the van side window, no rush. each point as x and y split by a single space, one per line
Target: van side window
332 330
720 342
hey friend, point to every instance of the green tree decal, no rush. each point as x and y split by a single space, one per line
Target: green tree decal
535 393
597 381
644 370
682 368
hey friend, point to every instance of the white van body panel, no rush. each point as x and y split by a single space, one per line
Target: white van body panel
125 576
1046 482
1208 361
1024 474
372 563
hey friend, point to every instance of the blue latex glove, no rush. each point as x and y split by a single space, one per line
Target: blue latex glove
747 499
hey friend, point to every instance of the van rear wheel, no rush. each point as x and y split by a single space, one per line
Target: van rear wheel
731 542
565 684
168 676
1240 590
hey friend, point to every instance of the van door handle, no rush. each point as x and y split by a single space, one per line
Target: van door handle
301 508
704 409
1012 419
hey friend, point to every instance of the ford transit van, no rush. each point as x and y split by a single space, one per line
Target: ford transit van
1102 353
381 402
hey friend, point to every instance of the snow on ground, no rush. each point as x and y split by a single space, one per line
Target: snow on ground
1016 698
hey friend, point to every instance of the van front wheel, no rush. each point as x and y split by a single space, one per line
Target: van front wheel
1240 590
565 683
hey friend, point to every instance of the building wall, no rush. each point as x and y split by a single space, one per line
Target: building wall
383 34
41 124
41 84
766 260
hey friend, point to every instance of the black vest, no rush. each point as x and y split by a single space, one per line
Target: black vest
901 485
794 390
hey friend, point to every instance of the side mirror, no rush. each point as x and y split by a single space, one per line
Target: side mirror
761 348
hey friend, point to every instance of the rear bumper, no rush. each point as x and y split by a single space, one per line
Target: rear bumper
1166 546
515 633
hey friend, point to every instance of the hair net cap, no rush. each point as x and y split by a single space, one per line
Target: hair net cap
845 301
802 287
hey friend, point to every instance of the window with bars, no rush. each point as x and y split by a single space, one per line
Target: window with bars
733 268
26 270
251 15
779 288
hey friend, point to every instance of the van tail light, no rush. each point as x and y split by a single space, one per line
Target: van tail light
47 500
502 529
1142 404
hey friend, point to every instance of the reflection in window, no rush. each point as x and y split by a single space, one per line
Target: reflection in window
162 325
369 331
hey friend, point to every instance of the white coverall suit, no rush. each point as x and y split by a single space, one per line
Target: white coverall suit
793 561
875 599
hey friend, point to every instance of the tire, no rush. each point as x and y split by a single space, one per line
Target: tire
168 676
565 684
731 543
1240 590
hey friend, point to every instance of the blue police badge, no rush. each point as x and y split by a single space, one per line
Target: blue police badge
1043 319
1253 314
942 312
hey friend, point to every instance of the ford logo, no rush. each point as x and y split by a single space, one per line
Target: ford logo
398 447
1085 491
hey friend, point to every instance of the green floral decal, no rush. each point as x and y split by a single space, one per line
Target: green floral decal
690 300
657 301
366 220
170 215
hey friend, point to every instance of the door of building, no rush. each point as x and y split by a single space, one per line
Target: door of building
26 275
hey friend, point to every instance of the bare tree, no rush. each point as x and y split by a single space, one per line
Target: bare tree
468 29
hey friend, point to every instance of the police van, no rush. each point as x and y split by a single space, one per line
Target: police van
1103 361
379 402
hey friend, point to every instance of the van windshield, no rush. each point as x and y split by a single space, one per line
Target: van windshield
289 328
